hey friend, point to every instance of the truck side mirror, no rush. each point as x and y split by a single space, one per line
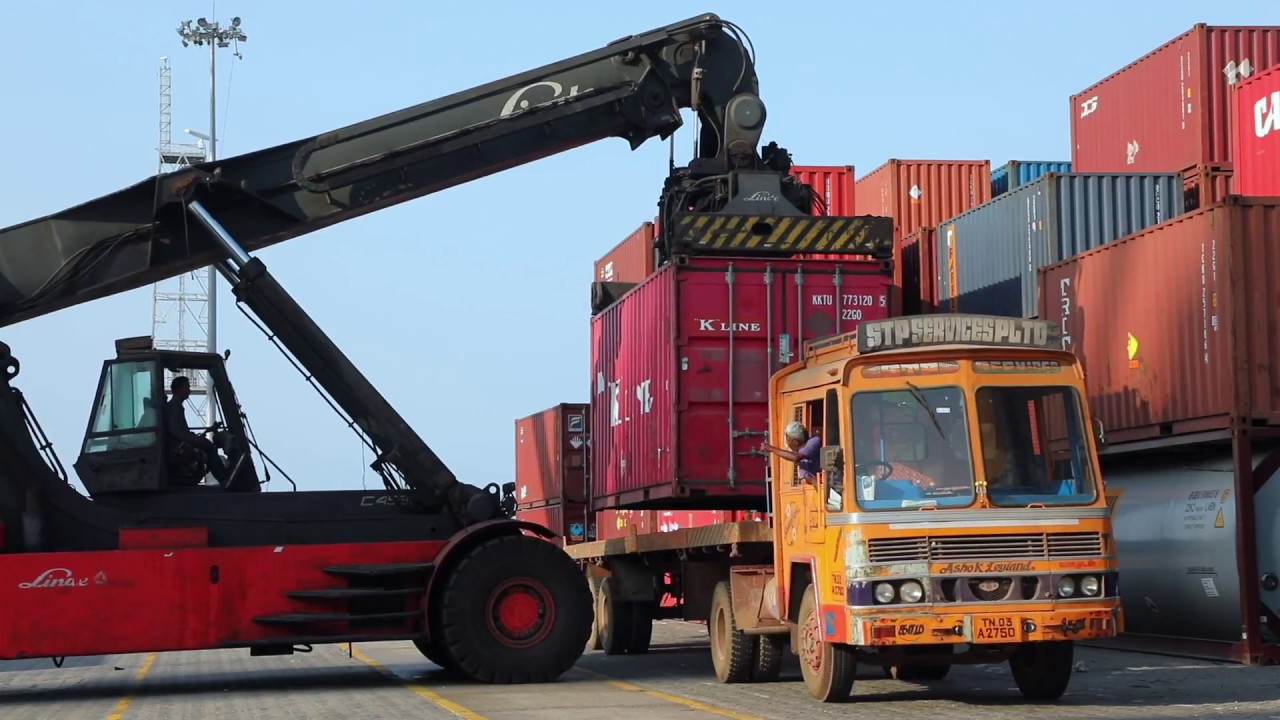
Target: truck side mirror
832 459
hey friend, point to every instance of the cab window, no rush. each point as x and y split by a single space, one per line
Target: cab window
1034 449
126 414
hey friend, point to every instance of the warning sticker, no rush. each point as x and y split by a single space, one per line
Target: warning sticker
1219 521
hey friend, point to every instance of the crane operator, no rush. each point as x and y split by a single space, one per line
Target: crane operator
176 429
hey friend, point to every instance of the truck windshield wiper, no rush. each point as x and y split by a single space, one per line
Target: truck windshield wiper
919 397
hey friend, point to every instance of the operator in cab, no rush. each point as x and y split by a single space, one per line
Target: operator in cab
176 429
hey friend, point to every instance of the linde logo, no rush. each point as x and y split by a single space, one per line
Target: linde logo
57 577
517 101
717 325
1266 114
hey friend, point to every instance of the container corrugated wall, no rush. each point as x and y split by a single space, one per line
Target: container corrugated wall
833 185
1162 319
551 455
1256 147
631 260
1169 109
919 276
690 349
1017 173
923 193
989 256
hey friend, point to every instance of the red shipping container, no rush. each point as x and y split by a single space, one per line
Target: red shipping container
1170 109
631 260
570 521
919 273
1256 147
666 429
1176 323
1206 185
551 453
833 185
923 193
614 524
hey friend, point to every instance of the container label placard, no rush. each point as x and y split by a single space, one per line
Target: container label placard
898 333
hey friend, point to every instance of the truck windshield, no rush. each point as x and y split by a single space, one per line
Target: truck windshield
911 449
1033 446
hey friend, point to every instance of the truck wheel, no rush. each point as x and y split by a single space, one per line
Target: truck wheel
828 668
515 609
641 627
768 665
1042 670
733 652
614 618
919 673
593 640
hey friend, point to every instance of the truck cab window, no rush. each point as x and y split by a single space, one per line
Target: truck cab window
1034 448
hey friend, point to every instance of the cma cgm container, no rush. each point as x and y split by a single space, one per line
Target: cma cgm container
989 256
551 452
1170 109
923 193
631 260
1176 326
1020 172
833 185
1256 148
571 521
680 370
613 524
919 272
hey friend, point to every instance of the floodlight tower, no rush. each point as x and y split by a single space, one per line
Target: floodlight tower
216 36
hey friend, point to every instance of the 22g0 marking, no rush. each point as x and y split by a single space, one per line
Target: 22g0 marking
850 314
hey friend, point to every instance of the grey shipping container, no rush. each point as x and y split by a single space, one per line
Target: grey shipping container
988 257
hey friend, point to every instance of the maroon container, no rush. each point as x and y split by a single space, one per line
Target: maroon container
551 452
833 185
923 193
1170 109
631 260
1174 325
570 521
666 430
919 273
1256 146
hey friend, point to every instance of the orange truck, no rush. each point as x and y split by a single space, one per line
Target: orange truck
954 513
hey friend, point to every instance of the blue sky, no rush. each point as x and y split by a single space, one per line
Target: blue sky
469 308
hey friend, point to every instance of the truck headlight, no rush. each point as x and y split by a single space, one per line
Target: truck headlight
1066 587
885 593
912 591
1089 585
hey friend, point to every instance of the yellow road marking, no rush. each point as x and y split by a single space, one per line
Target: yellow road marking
686 702
420 690
123 705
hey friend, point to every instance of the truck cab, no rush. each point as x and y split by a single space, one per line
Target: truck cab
958 514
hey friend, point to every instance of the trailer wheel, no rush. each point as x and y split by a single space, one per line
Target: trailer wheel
593 641
614 618
733 652
768 665
515 609
1042 670
641 627
828 668
918 673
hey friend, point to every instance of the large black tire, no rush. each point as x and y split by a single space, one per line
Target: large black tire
919 673
769 654
829 669
641 627
615 619
437 655
593 641
1043 670
733 652
515 609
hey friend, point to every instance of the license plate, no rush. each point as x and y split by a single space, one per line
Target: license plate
994 628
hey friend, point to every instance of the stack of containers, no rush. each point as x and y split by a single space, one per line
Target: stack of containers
919 194
551 471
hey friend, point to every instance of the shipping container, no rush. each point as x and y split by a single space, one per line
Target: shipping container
631 260
551 453
1016 173
1205 185
919 272
681 366
1170 109
614 524
989 257
571 521
923 193
1176 326
1256 145
832 186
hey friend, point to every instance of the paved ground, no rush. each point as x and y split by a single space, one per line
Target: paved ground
673 682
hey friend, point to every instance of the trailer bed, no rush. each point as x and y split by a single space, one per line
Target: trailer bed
730 536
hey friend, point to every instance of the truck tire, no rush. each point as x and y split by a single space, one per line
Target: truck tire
733 652
641 627
614 618
515 609
828 668
919 673
436 655
768 665
1042 670
593 641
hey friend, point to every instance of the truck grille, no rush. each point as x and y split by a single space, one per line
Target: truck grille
985 547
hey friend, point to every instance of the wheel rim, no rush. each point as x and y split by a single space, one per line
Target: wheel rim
719 633
811 645
520 612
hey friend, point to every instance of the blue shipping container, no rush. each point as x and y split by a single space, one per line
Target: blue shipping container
1017 173
988 257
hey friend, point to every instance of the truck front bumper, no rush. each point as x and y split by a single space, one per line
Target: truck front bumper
981 628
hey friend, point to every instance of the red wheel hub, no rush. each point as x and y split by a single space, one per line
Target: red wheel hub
520 612
811 644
